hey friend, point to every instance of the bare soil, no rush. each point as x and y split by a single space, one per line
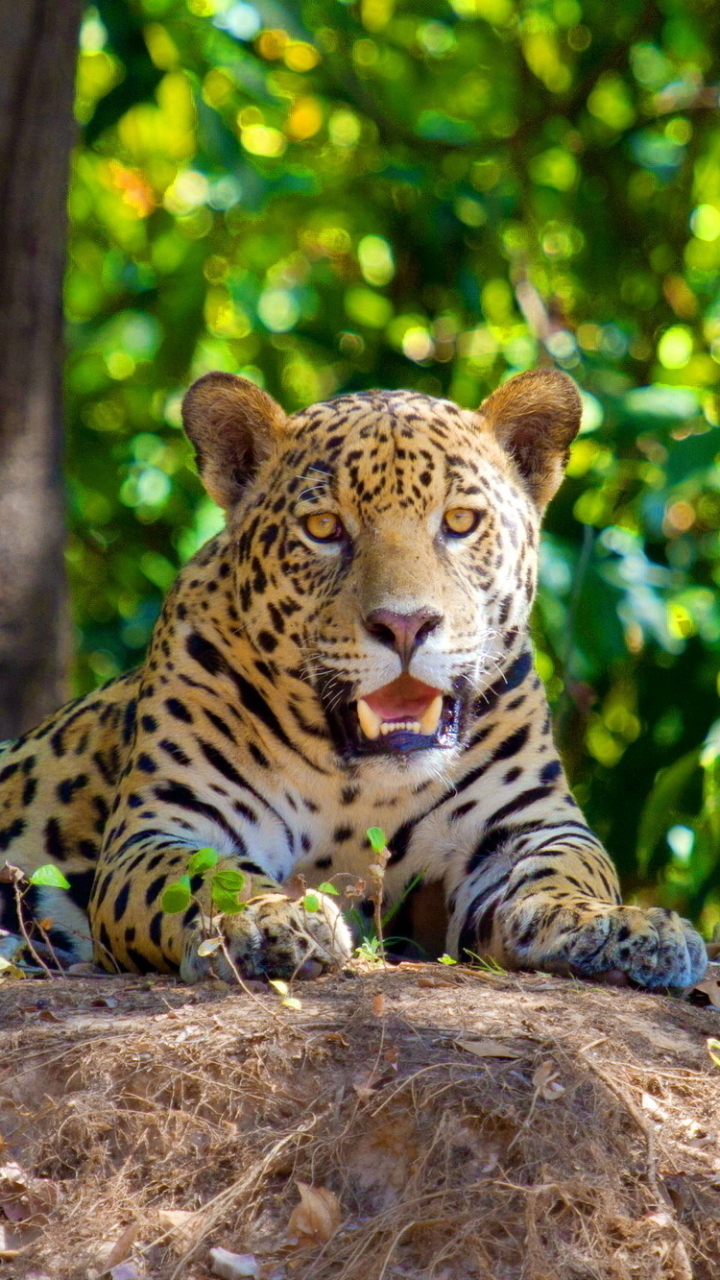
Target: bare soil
470 1125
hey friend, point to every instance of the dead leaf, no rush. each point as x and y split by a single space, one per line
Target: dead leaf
10 874
182 1224
547 1083
172 1218
317 1217
23 1197
710 988
209 945
437 982
335 1037
650 1104
47 1015
489 1049
365 1085
355 890
231 1266
9 970
110 1255
10 1244
378 1005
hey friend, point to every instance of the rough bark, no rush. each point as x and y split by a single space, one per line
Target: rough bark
38 41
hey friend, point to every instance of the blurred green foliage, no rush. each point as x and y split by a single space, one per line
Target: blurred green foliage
430 193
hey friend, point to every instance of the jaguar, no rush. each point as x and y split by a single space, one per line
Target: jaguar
352 650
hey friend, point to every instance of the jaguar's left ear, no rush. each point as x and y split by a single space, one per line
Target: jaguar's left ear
535 417
233 425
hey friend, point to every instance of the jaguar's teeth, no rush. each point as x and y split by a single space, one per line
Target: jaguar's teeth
370 724
373 727
394 726
431 717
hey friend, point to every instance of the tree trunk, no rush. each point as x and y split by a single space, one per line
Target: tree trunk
38 42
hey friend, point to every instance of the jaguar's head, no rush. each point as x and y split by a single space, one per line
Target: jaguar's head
384 546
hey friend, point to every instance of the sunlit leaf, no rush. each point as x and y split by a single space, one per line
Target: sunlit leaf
228 881
376 836
203 860
49 875
176 897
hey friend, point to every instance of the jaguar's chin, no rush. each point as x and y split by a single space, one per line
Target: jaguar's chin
399 719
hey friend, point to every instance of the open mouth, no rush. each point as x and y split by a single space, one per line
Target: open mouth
403 716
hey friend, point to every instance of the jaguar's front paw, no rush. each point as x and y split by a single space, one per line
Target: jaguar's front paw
653 948
274 937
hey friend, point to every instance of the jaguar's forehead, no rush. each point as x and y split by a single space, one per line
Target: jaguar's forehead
390 448
378 413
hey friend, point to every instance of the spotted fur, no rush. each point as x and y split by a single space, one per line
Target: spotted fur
234 731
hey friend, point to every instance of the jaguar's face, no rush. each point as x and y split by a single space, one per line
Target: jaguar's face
385 548
409 551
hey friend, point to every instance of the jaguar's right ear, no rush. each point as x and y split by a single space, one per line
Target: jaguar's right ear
233 426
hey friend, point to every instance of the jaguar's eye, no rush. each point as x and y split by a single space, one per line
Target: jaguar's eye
460 521
323 526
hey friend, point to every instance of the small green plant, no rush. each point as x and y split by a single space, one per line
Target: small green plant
446 959
486 963
713 1048
310 900
45 876
371 950
376 836
226 885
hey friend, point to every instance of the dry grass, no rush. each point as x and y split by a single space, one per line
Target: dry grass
593 1151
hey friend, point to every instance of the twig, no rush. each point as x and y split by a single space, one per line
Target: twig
16 881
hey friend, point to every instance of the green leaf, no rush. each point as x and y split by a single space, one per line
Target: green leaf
49 875
229 881
376 836
202 861
281 987
177 896
227 903
446 959
326 887
713 1047
291 1002
311 902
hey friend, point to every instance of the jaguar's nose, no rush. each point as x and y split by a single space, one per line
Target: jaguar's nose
403 632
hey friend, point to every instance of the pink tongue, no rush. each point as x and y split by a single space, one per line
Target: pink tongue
403 699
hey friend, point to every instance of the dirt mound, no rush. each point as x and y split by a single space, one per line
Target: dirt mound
454 1124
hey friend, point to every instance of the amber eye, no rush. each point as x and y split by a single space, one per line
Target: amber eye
459 521
323 526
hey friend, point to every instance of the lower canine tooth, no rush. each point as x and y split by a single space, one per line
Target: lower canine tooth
369 722
431 718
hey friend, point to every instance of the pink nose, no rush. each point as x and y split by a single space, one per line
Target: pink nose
403 632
